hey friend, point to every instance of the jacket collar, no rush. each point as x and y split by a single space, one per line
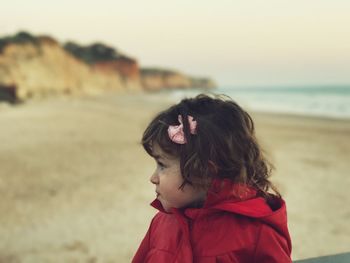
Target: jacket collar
220 192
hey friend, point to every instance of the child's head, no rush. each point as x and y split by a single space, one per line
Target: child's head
219 142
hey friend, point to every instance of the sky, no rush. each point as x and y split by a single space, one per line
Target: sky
235 42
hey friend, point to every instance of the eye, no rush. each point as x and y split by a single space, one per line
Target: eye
160 165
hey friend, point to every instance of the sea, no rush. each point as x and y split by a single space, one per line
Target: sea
320 101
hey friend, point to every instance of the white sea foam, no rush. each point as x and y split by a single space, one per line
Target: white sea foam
323 102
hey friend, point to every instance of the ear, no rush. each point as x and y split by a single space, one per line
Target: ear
213 168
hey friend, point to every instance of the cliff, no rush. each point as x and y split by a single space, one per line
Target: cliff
39 66
156 79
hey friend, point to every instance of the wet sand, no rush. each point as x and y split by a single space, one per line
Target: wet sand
74 178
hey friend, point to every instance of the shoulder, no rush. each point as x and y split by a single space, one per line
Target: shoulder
165 233
163 218
225 232
164 223
232 235
272 246
271 238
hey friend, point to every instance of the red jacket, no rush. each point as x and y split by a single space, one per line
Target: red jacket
226 229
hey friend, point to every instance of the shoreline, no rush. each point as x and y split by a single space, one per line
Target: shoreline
301 116
168 96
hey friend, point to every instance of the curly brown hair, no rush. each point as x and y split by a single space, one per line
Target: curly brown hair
224 145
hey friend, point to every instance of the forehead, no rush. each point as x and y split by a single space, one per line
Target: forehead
158 153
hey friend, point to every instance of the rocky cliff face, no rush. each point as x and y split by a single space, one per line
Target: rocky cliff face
126 68
45 68
40 66
156 79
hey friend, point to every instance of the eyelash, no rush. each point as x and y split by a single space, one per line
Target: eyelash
161 165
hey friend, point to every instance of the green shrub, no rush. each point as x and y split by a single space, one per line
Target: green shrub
21 37
92 53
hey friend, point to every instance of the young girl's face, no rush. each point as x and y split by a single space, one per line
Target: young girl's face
167 179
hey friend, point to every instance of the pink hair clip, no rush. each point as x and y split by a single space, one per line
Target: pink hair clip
176 133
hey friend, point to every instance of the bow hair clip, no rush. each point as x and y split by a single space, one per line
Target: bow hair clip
176 133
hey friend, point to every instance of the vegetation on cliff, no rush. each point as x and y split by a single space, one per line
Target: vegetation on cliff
21 37
92 54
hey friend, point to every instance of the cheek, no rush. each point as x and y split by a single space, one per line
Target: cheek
179 198
193 195
172 194
172 178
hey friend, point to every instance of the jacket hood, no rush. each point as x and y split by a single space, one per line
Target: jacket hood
243 200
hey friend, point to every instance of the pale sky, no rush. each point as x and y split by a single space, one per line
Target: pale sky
236 42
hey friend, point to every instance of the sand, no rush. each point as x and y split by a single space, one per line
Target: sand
74 180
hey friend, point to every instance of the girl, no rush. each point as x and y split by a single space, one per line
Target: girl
212 188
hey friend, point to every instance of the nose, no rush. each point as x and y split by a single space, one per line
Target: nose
154 178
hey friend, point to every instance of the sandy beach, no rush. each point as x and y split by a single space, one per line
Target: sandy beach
74 180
